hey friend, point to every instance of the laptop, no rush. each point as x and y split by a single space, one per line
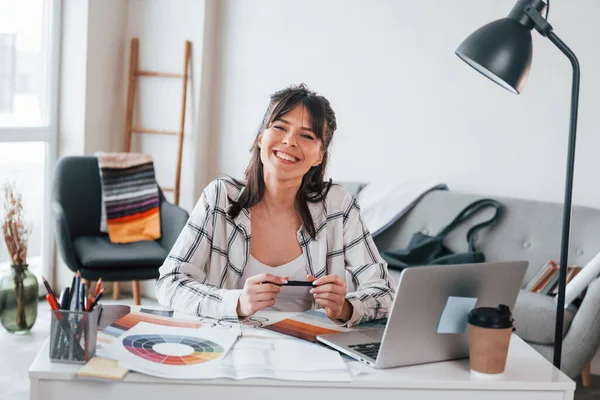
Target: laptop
428 317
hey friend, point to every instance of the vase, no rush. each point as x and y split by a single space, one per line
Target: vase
18 299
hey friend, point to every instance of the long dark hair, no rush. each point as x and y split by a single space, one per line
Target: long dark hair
313 188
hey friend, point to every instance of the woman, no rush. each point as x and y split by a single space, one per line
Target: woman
244 240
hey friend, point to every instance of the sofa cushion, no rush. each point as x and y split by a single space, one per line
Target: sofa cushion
535 317
99 252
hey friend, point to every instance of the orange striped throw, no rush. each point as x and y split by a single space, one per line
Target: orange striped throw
130 201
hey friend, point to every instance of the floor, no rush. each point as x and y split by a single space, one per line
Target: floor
18 352
590 393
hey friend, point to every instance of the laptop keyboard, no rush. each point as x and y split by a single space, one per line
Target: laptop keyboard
368 349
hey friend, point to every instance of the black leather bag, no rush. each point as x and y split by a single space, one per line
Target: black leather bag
430 250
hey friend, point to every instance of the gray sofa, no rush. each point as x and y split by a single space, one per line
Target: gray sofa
529 230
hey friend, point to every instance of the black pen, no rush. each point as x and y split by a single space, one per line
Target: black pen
65 299
96 300
297 283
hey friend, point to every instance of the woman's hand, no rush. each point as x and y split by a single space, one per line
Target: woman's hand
330 292
259 292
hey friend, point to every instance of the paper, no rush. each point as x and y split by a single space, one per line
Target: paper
128 321
259 353
309 324
172 352
454 316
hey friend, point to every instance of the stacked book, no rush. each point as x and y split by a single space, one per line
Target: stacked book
546 280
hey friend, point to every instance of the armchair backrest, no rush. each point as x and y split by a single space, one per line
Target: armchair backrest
76 187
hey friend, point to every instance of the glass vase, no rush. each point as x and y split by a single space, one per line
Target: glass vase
18 299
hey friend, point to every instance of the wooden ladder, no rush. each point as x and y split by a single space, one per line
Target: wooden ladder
135 72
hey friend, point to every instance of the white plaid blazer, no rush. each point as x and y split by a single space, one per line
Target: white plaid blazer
201 273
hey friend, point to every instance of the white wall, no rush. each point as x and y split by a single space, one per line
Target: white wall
105 107
407 107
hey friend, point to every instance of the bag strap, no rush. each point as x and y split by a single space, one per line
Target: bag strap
468 213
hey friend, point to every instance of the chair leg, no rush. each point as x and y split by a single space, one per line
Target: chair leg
136 292
116 290
586 375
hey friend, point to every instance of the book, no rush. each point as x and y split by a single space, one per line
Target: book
552 270
542 276
573 273
551 284
309 324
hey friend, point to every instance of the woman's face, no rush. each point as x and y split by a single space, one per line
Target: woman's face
289 147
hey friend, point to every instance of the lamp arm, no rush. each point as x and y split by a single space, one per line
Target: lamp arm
545 29
566 223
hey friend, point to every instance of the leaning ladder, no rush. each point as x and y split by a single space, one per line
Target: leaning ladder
134 72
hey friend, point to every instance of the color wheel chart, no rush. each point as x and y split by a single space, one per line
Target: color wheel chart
172 349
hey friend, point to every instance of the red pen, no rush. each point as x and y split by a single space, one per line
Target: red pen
52 301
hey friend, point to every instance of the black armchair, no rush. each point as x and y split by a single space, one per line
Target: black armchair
76 212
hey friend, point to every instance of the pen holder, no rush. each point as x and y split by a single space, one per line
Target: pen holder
73 336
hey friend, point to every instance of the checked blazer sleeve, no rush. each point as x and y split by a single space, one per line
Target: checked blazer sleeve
183 284
375 288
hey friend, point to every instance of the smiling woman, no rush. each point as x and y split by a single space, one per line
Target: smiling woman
246 239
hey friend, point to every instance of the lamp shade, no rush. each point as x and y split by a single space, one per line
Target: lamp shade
500 50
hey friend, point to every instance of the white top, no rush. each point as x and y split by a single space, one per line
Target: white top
297 298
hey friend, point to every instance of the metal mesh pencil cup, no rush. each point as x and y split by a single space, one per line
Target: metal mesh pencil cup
73 336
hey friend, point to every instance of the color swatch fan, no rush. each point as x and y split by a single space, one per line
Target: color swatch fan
172 352
172 349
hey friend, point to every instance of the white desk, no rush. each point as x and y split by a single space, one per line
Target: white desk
528 376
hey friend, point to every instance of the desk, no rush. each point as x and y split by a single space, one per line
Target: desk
528 376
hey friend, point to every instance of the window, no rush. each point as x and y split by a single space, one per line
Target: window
29 33
24 164
24 51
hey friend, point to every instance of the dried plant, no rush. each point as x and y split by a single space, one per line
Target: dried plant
14 229
16 235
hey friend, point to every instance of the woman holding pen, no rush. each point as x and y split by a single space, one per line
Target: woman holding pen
246 241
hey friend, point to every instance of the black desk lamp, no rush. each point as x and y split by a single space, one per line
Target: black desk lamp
501 50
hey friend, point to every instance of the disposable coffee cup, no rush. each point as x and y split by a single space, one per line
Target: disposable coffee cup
489 333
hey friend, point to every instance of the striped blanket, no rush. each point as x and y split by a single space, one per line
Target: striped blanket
130 202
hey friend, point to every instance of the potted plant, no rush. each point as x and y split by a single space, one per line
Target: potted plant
19 289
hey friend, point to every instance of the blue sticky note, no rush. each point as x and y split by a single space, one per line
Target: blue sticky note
453 318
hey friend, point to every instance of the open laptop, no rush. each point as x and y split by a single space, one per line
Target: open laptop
430 300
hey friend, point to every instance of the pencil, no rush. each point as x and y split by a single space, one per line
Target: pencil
49 289
98 287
